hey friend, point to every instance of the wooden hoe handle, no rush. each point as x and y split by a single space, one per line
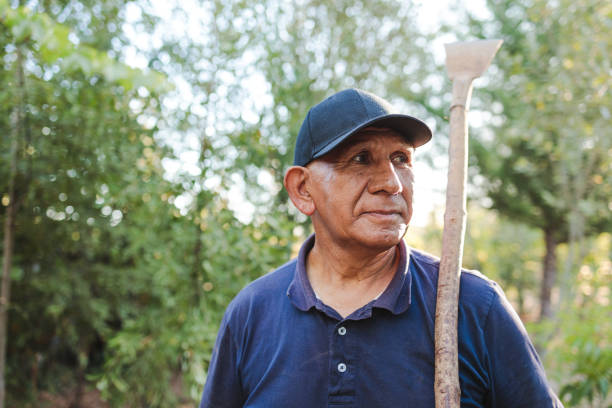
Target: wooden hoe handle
465 61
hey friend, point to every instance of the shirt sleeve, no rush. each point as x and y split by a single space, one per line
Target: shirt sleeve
223 386
517 375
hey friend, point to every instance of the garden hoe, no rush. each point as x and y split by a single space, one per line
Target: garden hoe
465 61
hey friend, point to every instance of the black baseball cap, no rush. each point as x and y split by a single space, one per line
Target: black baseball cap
341 115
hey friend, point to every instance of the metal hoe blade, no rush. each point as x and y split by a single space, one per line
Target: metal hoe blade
468 60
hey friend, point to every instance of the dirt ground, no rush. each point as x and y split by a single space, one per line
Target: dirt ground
89 399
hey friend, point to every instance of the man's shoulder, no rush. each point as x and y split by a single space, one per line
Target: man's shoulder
432 264
272 282
475 287
265 290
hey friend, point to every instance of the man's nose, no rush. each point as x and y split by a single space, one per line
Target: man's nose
385 178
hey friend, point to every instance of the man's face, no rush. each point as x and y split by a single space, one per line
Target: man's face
362 190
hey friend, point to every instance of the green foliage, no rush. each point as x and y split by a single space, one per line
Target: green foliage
579 349
85 164
507 252
546 158
112 281
122 269
53 45
592 368
587 348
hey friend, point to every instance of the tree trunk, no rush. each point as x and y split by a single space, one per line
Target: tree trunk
9 223
5 296
549 274
196 271
521 298
78 392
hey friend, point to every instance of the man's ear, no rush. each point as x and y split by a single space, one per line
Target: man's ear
295 182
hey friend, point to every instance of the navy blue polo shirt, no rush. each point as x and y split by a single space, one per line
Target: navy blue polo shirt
280 346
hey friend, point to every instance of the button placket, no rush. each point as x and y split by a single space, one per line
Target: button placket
342 372
341 366
341 331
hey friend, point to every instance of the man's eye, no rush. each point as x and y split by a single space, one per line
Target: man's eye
402 159
360 158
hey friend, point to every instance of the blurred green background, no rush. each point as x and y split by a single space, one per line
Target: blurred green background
143 145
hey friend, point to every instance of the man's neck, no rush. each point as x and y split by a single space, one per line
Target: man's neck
346 279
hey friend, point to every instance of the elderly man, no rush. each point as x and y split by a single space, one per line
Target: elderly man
350 322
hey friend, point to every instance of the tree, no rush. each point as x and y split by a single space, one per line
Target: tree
69 106
126 267
545 159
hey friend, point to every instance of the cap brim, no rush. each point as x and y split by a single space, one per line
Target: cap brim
415 131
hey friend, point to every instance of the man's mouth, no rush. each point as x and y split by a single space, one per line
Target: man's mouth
383 213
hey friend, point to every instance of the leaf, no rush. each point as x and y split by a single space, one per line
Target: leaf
54 45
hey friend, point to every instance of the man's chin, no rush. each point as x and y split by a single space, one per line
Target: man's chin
382 239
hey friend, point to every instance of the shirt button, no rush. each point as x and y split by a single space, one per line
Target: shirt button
342 331
342 367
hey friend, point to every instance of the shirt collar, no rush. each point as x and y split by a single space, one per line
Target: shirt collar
395 298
